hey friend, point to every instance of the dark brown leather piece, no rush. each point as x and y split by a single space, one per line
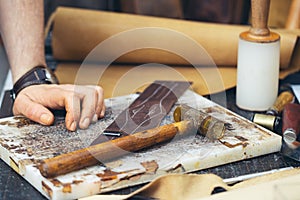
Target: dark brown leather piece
219 11
148 110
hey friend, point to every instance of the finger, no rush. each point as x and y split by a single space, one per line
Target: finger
88 107
72 106
100 106
56 97
23 105
102 111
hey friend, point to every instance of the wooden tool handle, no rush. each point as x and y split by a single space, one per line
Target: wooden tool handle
260 13
109 150
282 100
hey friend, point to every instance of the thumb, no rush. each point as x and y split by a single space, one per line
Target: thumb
32 110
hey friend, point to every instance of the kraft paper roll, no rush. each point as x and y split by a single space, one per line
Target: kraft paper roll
118 80
77 31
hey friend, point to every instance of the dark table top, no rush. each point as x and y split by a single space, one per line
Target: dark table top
13 186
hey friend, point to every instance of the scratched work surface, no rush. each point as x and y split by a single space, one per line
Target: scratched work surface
24 143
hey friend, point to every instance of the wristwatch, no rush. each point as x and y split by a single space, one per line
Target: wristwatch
36 76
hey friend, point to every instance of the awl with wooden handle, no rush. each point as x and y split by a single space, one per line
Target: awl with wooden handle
112 149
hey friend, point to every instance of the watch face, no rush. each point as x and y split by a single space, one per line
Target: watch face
50 76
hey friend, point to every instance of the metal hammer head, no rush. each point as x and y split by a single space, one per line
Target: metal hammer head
206 124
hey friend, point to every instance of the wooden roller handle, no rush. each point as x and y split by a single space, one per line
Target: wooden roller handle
112 149
260 13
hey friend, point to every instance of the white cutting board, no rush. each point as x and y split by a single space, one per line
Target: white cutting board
23 144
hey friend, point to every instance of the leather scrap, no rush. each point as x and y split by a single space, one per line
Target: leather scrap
147 111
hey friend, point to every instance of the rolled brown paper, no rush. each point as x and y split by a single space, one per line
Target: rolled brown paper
291 123
293 19
112 149
77 31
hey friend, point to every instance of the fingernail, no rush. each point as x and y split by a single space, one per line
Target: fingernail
102 113
95 118
46 119
85 123
73 126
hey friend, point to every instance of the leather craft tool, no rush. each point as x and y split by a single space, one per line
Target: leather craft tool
204 123
290 129
187 121
146 111
112 149
258 62
291 123
271 118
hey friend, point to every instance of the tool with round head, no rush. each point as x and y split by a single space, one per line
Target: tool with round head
204 123
258 62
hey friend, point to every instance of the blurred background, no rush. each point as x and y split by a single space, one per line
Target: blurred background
218 11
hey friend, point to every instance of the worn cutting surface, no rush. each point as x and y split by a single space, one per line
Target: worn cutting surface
24 143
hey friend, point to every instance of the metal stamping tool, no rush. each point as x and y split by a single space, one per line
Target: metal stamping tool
271 119
204 123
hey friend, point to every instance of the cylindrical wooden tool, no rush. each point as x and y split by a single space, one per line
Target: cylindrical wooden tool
112 149
258 62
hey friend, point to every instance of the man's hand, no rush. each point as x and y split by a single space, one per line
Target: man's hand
83 104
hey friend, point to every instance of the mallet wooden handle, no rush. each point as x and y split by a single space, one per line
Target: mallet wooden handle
109 150
260 13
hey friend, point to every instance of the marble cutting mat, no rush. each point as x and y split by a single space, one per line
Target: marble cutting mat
23 144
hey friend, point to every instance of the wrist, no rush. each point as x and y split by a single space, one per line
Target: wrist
35 76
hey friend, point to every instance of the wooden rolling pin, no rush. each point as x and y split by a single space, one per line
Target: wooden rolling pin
112 149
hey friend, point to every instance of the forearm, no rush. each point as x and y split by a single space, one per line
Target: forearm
22 30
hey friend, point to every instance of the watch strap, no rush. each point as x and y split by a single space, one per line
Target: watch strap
36 76
7 104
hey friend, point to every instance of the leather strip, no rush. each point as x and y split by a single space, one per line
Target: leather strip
147 111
